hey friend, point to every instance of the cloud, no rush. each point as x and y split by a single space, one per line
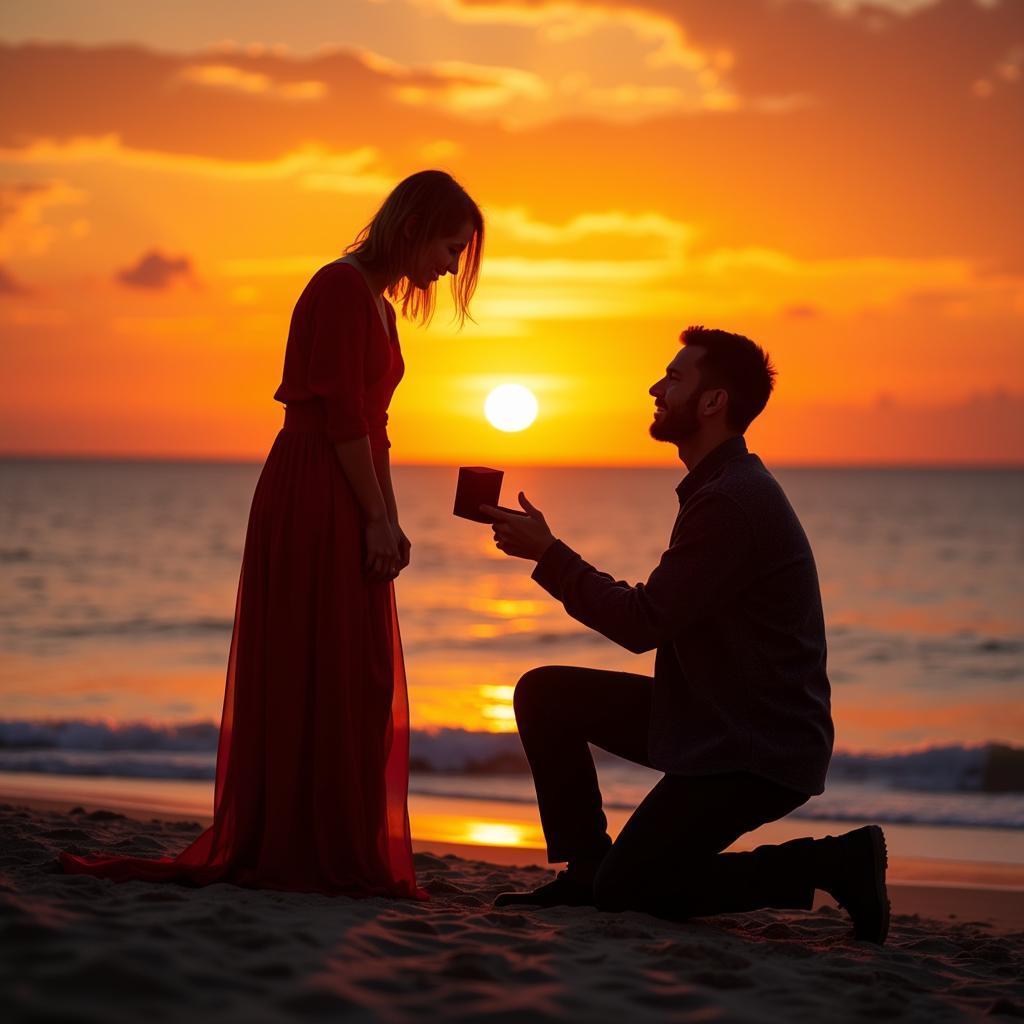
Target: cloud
313 166
801 311
519 98
615 227
661 265
155 271
469 89
251 83
839 144
156 92
848 162
16 197
762 53
562 20
9 285
24 208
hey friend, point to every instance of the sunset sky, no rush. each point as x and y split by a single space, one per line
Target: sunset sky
838 179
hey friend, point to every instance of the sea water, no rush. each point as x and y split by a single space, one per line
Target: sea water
117 589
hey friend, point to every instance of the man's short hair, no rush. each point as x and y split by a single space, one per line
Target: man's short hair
738 365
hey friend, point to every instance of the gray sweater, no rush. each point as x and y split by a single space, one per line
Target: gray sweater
734 611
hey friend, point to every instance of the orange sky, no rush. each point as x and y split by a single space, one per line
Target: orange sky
839 180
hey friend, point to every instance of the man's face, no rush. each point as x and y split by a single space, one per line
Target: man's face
676 396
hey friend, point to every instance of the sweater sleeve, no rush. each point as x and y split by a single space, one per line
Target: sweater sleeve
336 372
706 565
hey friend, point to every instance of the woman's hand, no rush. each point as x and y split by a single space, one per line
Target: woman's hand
383 555
404 547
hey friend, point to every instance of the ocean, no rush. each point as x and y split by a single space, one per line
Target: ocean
118 585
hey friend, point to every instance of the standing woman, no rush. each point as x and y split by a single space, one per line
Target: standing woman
313 758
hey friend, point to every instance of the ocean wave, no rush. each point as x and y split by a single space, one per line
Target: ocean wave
986 768
118 764
62 744
81 734
132 628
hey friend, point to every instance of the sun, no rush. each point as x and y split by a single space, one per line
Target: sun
510 407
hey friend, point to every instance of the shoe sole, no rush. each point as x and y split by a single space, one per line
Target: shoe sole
880 856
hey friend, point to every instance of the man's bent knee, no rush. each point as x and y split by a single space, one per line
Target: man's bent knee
531 689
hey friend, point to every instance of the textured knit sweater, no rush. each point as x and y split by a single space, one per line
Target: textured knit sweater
734 610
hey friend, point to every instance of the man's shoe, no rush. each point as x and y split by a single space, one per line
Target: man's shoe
856 878
562 892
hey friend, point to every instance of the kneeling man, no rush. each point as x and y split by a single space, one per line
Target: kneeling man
737 714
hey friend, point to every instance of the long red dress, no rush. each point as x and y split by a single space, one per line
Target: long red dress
313 758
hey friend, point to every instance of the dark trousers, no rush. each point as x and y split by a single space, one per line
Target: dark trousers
667 860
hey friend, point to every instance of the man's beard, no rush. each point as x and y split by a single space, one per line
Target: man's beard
679 424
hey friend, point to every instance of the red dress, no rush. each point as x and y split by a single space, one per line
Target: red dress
313 758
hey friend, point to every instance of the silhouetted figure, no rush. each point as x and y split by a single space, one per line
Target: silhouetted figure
737 714
313 759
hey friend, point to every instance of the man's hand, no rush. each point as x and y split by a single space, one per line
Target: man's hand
521 536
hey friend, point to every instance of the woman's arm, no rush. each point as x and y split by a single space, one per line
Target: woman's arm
382 462
383 558
357 461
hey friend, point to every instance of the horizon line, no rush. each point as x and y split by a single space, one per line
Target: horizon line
439 464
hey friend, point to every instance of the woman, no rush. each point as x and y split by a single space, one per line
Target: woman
312 764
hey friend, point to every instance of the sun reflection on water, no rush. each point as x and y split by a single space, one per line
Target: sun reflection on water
493 833
505 607
499 713
497 707
502 693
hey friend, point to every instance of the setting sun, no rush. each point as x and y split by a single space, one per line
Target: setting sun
510 407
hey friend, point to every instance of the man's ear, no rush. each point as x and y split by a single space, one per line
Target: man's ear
716 401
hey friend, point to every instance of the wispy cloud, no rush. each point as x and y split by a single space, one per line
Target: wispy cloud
679 270
469 90
313 166
24 229
252 83
154 271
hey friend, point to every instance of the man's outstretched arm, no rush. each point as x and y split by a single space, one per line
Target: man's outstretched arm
706 565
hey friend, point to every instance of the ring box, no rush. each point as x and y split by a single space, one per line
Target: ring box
478 486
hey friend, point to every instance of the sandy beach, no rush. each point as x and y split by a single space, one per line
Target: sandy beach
77 949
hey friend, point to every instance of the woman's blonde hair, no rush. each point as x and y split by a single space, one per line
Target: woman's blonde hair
432 204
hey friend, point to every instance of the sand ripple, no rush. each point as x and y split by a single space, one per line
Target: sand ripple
77 949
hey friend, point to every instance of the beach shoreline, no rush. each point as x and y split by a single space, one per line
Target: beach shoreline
171 952
498 825
932 887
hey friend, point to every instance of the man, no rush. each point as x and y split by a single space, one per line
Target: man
737 714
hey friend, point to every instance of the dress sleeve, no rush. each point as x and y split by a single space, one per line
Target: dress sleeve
336 371
378 432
